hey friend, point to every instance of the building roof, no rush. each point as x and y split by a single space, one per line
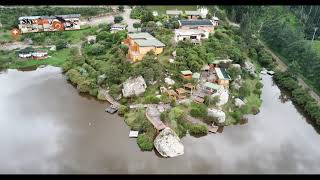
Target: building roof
181 91
172 92
188 85
198 13
215 18
222 73
211 85
142 35
188 32
196 75
118 26
173 12
146 39
198 22
186 72
50 17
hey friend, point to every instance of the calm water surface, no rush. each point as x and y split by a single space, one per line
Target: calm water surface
47 127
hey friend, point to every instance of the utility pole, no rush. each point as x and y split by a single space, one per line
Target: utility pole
314 33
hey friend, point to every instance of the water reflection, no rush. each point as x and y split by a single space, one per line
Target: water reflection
47 127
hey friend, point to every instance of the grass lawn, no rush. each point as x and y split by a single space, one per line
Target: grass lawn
5 36
162 9
57 59
316 45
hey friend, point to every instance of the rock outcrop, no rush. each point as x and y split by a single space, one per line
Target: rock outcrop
237 82
223 96
168 143
236 66
134 87
169 81
249 67
219 115
238 102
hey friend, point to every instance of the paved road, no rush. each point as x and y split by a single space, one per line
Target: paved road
109 18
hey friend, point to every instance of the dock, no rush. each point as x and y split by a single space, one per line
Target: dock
113 102
212 129
153 115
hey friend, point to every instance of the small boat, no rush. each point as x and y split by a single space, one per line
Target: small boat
111 109
133 134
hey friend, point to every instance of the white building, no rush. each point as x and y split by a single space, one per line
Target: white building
39 55
118 27
194 35
25 55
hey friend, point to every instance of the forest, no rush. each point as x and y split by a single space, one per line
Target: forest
288 31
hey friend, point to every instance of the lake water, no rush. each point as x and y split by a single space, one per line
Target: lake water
47 127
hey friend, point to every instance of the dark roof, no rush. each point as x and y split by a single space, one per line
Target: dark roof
200 22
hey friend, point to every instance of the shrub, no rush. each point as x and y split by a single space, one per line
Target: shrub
244 91
122 110
255 110
145 143
198 129
237 115
60 44
118 19
259 85
164 116
198 110
123 101
114 90
96 49
257 91
151 99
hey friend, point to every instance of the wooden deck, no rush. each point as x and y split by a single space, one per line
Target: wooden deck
193 120
153 115
111 100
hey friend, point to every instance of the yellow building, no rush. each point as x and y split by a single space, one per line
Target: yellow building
140 44
223 77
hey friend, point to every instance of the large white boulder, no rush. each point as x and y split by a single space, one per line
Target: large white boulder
168 143
238 102
169 81
223 96
134 87
219 115
236 66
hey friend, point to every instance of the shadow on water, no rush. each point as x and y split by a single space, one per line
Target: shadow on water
285 97
30 68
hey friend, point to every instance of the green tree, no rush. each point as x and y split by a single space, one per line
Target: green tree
60 44
136 25
118 19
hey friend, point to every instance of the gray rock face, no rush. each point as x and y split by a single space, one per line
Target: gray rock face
248 66
238 102
223 96
218 114
134 87
169 81
236 66
168 143
237 82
